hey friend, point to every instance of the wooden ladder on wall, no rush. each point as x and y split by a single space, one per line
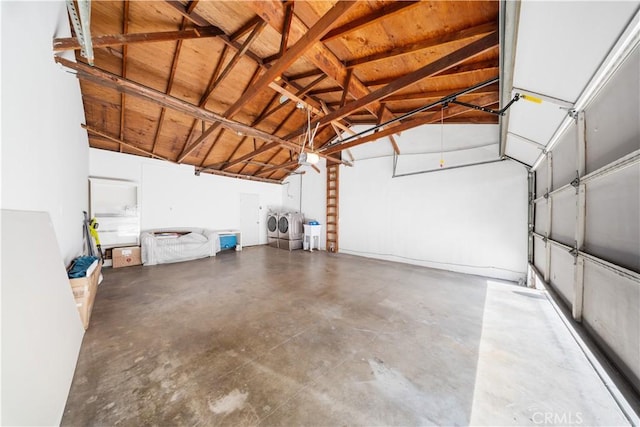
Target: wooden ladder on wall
333 181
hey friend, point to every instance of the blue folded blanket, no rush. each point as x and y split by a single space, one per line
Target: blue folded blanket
80 265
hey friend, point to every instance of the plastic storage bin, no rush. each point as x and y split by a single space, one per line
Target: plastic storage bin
228 242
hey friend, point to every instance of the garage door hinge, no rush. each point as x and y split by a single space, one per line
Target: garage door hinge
546 195
573 113
574 250
576 182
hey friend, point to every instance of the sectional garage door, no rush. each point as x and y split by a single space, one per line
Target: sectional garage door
586 227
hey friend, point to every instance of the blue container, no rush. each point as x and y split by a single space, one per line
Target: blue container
228 242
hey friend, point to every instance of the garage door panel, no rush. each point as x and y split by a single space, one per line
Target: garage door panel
541 179
565 158
563 216
611 311
526 152
540 224
613 218
607 139
540 255
561 273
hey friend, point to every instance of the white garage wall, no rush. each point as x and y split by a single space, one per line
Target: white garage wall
472 220
44 149
172 196
44 168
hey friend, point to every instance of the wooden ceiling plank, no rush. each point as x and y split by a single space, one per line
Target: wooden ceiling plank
345 91
292 54
245 46
172 73
326 110
188 148
433 117
108 137
162 99
199 20
214 77
439 94
470 50
466 33
485 66
215 142
286 28
280 126
248 156
384 12
71 43
271 11
125 28
307 74
278 167
190 15
245 28
230 163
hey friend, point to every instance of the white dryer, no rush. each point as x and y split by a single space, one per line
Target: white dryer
290 226
272 224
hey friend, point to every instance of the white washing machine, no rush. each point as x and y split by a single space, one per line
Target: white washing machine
272 224
290 226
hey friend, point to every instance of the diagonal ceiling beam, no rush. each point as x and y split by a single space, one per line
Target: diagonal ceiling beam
384 12
127 86
466 33
472 49
71 43
433 117
293 53
272 12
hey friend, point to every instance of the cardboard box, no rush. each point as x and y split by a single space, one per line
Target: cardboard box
84 291
126 257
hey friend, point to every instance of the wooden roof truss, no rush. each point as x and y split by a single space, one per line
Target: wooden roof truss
225 86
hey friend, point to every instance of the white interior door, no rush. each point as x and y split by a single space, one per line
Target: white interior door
250 219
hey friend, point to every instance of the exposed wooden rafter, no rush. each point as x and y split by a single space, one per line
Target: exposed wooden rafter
71 43
234 104
292 54
272 12
472 49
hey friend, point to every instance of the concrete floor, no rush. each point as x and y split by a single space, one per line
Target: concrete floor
270 337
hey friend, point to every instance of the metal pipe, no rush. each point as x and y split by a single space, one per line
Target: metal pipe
448 168
444 100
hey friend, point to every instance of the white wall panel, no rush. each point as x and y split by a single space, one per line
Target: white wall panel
613 118
472 220
41 327
613 218
563 216
172 196
610 310
44 149
561 273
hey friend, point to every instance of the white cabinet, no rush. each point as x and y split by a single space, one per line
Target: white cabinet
115 205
